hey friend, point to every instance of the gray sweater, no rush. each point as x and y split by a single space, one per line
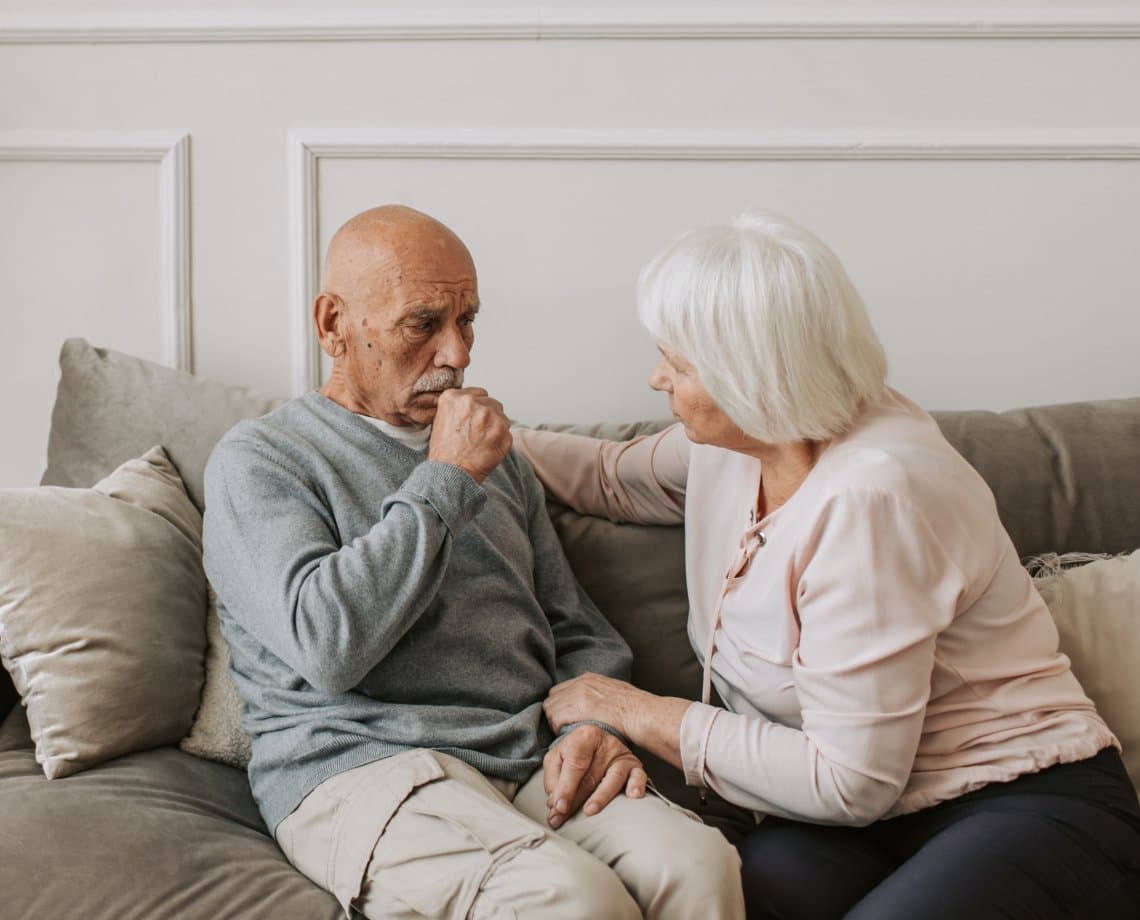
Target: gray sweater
375 601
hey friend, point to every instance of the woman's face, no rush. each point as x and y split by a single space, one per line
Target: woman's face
690 403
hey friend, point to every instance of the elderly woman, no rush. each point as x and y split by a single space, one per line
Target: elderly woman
896 709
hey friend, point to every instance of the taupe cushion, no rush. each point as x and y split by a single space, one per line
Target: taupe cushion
102 612
110 407
217 733
1097 611
154 834
1066 477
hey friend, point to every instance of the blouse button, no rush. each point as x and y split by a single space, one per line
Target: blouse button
761 540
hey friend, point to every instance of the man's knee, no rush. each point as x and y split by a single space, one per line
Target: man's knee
672 863
697 872
554 879
594 890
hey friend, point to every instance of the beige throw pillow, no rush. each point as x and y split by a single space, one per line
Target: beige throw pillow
102 612
1097 610
217 733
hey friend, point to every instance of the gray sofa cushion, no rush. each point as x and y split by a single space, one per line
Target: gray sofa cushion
1066 477
155 834
110 407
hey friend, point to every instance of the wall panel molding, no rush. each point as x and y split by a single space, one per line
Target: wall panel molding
309 147
172 153
530 24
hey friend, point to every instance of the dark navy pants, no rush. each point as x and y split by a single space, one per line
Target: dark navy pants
1064 842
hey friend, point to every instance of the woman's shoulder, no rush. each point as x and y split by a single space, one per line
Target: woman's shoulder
896 448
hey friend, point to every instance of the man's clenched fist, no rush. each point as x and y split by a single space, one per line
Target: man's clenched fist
470 431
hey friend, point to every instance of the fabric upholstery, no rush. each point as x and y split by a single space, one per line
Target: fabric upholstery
1097 611
217 733
110 407
102 612
1066 477
152 834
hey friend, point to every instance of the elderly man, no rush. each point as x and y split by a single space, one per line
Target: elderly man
397 606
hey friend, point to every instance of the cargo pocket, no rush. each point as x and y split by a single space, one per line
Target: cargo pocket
364 813
493 832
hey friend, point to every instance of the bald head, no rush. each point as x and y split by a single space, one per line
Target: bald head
396 314
372 250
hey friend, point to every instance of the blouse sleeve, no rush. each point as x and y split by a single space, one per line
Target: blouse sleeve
638 481
874 593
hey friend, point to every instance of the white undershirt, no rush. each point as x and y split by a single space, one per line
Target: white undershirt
415 438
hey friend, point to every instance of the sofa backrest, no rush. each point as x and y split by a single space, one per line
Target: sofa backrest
111 407
1066 479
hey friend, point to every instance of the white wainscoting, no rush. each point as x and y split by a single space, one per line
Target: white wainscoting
311 147
974 164
101 277
401 23
172 153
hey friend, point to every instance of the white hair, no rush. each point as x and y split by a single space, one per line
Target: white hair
764 311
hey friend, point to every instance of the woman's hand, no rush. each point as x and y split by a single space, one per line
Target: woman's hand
648 721
592 696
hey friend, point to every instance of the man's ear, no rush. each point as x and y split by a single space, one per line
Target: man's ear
329 317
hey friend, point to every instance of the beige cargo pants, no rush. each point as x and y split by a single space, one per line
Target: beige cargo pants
422 834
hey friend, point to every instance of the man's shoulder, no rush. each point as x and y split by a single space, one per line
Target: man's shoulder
275 434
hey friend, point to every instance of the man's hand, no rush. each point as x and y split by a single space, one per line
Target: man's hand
470 431
588 765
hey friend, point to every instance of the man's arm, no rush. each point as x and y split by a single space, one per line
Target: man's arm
330 612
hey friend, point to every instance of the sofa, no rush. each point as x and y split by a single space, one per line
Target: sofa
142 827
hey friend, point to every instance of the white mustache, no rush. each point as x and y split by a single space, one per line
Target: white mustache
443 379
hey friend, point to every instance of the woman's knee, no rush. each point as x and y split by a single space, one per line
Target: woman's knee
791 869
1023 859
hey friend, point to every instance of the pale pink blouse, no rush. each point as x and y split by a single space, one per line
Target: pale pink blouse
876 641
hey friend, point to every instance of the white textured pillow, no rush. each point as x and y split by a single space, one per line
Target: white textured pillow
217 733
1097 610
102 612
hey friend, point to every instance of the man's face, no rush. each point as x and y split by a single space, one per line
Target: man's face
409 336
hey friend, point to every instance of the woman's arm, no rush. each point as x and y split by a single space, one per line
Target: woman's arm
639 481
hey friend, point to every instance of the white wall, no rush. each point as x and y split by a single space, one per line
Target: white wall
976 166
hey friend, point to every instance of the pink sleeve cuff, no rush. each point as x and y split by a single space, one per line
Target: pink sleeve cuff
696 726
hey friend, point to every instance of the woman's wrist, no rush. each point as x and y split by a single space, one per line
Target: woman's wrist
654 724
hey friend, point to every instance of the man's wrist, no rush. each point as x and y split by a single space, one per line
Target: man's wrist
604 726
